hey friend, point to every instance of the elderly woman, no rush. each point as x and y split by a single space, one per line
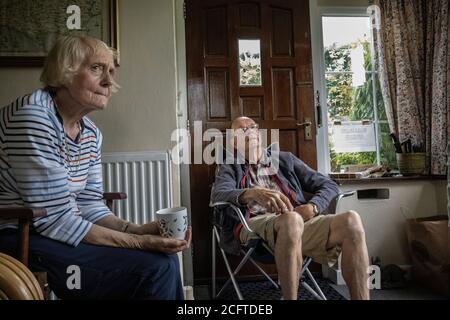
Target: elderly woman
50 158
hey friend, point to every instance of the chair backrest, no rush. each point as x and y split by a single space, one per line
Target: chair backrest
16 281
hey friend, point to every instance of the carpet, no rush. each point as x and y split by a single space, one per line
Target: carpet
264 290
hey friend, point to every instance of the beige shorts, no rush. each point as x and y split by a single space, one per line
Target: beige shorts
314 239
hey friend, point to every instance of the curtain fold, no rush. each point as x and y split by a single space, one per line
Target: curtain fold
414 61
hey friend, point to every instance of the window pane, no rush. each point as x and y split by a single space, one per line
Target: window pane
337 58
347 45
350 87
362 101
387 147
345 102
339 95
339 160
250 62
380 102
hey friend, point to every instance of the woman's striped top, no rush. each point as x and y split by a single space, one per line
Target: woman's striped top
36 172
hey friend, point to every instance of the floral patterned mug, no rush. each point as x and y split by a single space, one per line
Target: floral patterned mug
172 222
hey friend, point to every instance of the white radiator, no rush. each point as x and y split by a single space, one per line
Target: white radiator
146 179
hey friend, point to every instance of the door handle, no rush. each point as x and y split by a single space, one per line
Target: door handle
308 125
319 110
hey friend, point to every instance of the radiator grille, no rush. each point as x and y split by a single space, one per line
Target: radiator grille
145 177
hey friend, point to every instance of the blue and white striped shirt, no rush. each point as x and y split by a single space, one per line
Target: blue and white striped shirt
36 172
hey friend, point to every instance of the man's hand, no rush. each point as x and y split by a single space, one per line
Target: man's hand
166 245
306 211
273 200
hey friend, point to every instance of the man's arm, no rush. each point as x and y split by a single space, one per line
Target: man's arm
225 189
323 188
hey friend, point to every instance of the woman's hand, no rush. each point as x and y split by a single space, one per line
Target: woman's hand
166 245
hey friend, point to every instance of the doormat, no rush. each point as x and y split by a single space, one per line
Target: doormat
264 290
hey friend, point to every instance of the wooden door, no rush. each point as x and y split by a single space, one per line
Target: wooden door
283 101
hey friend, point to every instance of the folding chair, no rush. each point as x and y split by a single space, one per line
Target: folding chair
257 250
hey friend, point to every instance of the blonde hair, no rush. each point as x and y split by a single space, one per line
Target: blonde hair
66 57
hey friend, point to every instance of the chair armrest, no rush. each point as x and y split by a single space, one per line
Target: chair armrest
344 195
236 209
25 215
22 213
114 196
111 196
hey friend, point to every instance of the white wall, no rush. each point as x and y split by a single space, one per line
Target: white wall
385 220
15 82
142 115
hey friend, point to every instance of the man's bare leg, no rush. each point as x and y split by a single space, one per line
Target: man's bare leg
288 252
347 231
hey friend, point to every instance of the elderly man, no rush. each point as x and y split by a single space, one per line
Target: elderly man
280 215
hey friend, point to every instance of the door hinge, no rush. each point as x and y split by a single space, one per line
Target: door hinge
188 125
184 10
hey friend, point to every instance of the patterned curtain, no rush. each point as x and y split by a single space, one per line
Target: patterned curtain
413 49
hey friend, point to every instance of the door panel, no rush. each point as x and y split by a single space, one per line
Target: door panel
217 89
215 97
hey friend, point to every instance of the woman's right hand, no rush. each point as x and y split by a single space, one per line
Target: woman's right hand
166 245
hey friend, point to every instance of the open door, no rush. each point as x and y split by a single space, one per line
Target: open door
217 33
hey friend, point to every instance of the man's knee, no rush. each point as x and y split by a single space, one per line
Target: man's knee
352 225
290 223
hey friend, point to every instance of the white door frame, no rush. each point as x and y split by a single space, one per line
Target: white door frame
316 14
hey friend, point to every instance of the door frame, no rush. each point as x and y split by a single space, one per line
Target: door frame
182 118
316 13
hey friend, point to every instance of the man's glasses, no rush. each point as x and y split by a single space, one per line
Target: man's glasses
248 129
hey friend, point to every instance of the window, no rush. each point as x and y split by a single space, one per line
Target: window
358 132
250 62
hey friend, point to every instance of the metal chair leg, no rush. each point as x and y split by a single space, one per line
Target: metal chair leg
236 271
264 273
311 290
315 284
317 294
233 280
213 279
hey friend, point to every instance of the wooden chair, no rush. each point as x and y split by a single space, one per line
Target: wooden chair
25 217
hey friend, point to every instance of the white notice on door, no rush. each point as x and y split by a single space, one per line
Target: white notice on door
353 137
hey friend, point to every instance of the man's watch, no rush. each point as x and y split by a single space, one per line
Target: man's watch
315 209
